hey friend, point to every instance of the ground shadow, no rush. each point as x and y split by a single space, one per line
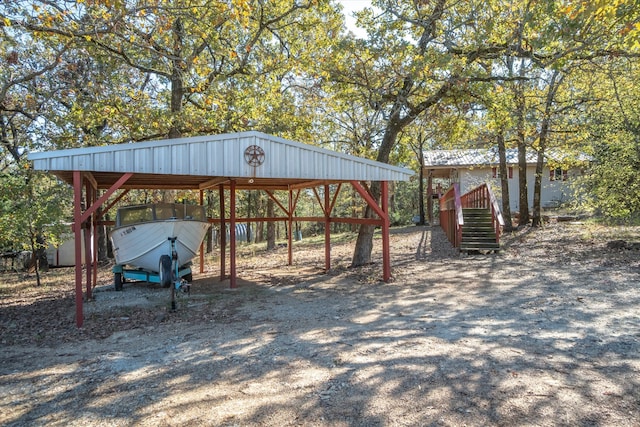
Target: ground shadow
455 342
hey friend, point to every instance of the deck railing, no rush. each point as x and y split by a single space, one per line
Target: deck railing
452 203
451 219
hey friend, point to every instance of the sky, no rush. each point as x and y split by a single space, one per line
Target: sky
351 6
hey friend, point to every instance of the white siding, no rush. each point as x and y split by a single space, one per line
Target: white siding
551 190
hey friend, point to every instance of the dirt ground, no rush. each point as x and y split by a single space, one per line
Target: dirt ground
545 333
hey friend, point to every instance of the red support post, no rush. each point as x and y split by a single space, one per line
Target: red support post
86 225
327 230
290 222
223 234
383 213
87 240
202 243
232 233
94 226
430 197
77 229
91 242
386 256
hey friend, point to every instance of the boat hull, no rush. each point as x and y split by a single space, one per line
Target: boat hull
141 245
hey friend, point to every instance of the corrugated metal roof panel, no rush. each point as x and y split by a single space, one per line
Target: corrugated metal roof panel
220 155
472 157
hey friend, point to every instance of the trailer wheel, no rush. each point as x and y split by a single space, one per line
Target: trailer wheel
188 277
164 270
117 280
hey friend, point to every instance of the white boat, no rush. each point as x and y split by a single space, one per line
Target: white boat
145 233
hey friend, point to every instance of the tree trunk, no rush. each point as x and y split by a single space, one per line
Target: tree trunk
421 188
35 259
537 187
209 245
392 197
504 183
522 155
364 243
259 231
177 84
211 234
101 231
524 217
249 216
395 123
430 194
555 81
271 227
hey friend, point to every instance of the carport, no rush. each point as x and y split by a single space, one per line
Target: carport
101 176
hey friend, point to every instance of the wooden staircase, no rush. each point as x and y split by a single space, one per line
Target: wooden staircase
472 221
478 232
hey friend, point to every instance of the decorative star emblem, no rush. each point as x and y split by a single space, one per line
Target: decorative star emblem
254 155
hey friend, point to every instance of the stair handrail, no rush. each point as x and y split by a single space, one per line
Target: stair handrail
451 219
496 213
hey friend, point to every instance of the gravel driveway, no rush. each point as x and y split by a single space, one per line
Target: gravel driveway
545 333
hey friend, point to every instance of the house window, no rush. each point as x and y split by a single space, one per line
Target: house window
557 174
495 172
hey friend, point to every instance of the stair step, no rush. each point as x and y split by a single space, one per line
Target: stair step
479 243
489 239
485 238
480 247
478 233
477 248
469 249
478 228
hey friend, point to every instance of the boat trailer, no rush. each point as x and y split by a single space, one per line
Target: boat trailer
169 274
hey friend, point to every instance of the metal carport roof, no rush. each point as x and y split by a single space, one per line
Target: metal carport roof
201 162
